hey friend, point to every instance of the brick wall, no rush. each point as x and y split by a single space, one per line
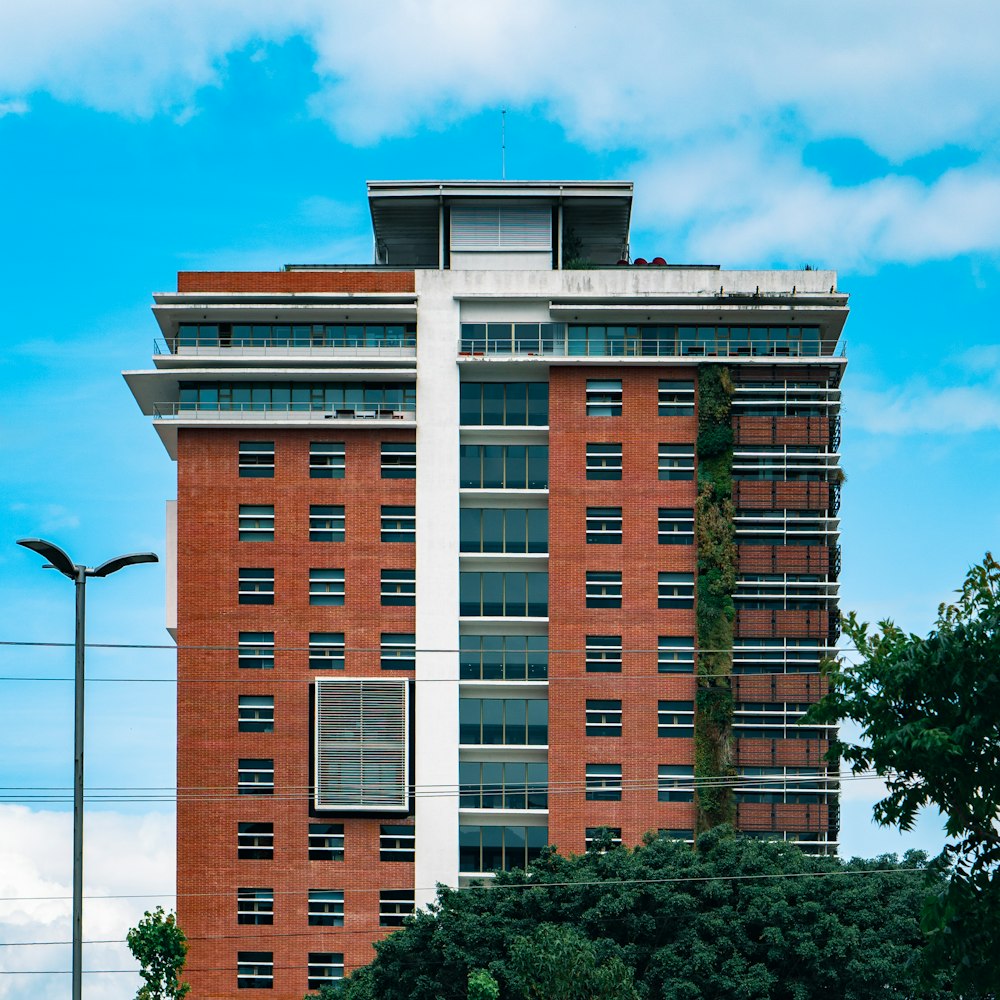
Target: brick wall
639 621
295 281
209 744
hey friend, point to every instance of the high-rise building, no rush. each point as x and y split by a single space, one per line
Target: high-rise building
505 540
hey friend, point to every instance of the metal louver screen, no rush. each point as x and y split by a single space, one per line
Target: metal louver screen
501 228
362 744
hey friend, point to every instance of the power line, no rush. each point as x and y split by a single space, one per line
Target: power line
495 887
294 793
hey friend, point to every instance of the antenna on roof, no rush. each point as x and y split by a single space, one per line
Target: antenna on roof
503 144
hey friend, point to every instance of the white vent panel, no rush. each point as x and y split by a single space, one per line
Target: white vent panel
362 744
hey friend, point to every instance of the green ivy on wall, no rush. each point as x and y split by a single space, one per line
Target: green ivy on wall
715 529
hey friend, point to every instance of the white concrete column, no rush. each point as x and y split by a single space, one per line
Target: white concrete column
437 494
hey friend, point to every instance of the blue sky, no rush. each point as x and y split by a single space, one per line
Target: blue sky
143 138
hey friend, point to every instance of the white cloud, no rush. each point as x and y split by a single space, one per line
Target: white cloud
716 98
124 856
917 408
14 107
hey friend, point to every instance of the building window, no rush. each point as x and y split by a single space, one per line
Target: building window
604 783
256 586
503 721
326 908
326 841
674 783
325 968
326 524
677 833
503 657
255 776
256 651
601 838
256 523
604 397
604 654
503 784
503 595
503 466
256 713
675 718
604 525
362 744
255 841
676 461
394 906
509 529
255 970
675 399
492 848
326 650
398 588
675 654
604 590
399 460
399 524
256 459
396 842
604 717
517 404
675 590
326 587
326 460
675 526
604 461
398 651
255 906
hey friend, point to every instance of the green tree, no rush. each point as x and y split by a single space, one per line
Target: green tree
736 918
482 986
557 962
929 713
160 947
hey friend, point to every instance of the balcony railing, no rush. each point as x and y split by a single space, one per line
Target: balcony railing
282 348
283 411
566 346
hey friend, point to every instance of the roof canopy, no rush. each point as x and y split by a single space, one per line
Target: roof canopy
406 215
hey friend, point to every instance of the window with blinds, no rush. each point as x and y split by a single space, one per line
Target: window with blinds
362 744
500 228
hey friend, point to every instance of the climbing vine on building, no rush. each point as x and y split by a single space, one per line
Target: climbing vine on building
715 529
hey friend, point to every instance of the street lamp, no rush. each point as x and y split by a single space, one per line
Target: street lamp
57 559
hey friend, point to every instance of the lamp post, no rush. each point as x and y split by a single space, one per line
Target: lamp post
78 573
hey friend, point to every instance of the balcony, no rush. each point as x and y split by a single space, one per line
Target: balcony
780 753
790 624
785 559
257 412
780 495
750 430
763 817
366 340
798 688
643 341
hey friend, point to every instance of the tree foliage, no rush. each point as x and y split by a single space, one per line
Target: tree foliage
667 922
160 947
929 712
482 986
558 962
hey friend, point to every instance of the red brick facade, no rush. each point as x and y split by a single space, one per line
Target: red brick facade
209 555
237 282
639 621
